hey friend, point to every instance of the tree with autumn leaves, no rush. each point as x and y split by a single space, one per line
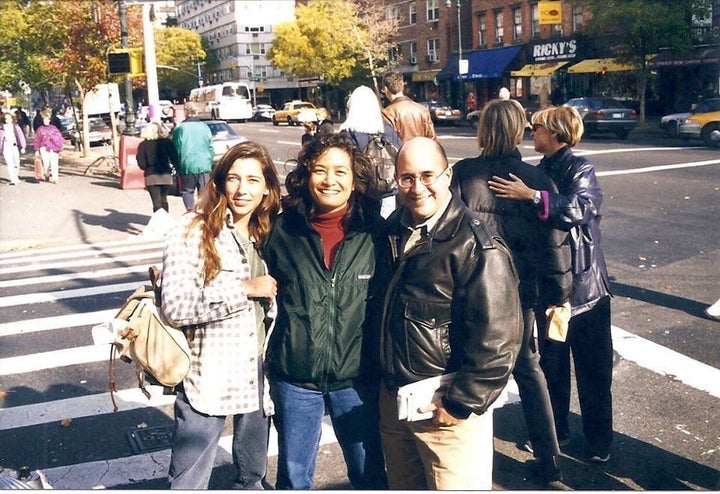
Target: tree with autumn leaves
339 41
65 44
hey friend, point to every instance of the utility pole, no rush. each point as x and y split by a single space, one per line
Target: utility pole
130 116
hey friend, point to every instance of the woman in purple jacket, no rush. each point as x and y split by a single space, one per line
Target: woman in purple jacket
12 143
48 144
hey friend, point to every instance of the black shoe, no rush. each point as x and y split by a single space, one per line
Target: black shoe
547 469
562 441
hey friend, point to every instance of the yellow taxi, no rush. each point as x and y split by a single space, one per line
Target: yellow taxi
298 112
705 126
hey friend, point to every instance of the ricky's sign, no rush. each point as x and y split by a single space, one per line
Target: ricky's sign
555 50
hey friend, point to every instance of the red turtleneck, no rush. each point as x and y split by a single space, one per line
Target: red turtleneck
328 225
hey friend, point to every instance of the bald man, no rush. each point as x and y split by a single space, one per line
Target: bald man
452 306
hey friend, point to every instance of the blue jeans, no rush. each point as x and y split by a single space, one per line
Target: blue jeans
298 420
195 444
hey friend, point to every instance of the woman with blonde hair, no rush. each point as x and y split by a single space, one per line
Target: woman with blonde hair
216 287
155 156
540 252
574 208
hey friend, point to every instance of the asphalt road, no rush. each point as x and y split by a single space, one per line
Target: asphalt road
660 239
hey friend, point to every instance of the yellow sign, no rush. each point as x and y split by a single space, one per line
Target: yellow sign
550 12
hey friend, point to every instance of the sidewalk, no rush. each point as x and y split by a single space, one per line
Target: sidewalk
78 209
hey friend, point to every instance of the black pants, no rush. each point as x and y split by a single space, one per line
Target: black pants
534 394
590 340
159 196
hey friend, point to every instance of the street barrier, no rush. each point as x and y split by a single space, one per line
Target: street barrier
131 176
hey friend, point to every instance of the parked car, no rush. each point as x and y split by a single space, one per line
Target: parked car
602 114
99 132
671 123
297 112
69 128
263 112
442 113
705 126
223 137
474 116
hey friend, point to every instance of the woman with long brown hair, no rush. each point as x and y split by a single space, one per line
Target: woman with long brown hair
216 287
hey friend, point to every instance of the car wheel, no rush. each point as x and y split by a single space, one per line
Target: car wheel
474 122
622 134
671 128
289 122
275 122
711 135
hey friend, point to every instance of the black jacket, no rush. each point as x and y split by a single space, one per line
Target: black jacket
576 209
541 253
155 156
452 305
319 341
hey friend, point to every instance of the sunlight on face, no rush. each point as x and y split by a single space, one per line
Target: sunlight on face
331 180
245 187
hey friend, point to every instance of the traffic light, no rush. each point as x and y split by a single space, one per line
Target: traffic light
126 61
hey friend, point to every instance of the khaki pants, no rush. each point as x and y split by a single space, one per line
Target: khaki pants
421 456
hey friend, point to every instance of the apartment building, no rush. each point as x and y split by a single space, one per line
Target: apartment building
239 34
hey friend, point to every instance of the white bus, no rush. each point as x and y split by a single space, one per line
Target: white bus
226 101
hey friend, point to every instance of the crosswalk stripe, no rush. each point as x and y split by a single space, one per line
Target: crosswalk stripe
107 252
56 358
80 248
56 322
81 263
87 275
37 298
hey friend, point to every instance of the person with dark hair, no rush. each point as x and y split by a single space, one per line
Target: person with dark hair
48 144
322 252
541 254
215 287
574 208
410 119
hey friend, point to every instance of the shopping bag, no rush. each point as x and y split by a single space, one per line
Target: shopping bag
38 168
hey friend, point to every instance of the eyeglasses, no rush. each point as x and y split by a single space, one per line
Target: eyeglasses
428 179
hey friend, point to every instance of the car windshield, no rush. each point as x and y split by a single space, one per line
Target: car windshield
597 104
221 131
303 105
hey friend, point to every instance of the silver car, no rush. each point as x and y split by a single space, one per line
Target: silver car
223 137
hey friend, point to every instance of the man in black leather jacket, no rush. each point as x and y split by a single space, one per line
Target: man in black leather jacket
575 208
452 305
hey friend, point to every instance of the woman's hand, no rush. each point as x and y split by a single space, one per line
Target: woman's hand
262 287
511 189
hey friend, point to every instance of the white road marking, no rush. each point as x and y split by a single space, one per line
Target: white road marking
84 248
658 168
56 322
54 359
82 262
87 275
289 143
37 298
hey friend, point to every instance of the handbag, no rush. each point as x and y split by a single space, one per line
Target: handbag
38 167
148 340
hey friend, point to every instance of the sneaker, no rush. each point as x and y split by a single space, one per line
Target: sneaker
600 458
548 470
562 441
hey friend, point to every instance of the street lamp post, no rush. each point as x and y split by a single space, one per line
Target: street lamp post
130 128
462 68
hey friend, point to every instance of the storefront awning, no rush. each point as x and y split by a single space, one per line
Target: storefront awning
424 75
537 69
698 56
481 63
597 65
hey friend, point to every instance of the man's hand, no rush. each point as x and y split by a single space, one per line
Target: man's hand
441 417
262 287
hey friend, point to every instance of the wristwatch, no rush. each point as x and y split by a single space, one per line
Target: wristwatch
537 198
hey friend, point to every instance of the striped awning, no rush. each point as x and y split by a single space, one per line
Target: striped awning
537 69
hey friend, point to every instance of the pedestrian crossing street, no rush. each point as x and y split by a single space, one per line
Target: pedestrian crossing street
56 414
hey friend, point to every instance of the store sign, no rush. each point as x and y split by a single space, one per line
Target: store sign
550 12
555 51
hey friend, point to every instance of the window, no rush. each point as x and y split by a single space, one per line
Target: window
412 13
433 10
433 46
482 29
517 23
577 18
393 53
499 31
413 50
392 12
557 29
535 22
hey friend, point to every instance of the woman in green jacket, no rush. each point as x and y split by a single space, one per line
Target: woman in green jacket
322 253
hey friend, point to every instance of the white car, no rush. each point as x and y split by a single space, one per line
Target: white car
671 123
223 137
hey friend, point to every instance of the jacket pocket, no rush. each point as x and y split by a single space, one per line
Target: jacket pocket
427 342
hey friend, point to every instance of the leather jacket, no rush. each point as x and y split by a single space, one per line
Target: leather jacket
409 118
576 208
541 253
451 305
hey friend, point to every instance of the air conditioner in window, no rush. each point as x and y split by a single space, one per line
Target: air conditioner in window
499 40
431 59
413 60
